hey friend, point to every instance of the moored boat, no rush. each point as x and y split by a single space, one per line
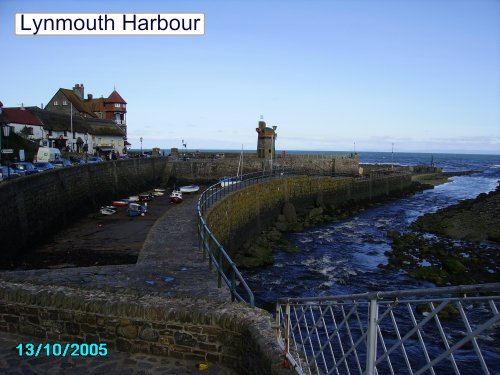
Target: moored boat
176 196
189 189
107 211
227 181
120 203
135 209
146 197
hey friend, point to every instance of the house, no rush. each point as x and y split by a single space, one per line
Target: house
80 134
114 107
23 122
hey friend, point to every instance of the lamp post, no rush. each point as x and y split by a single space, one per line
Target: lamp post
5 132
140 139
392 157
86 137
272 146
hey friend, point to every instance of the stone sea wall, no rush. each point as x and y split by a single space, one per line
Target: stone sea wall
230 333
245 213
33 207
209 170
36 206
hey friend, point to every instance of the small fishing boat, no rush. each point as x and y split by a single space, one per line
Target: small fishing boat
135 209
176 196
146 197
121 203
160 190
189 189
107 211
158 193
226 181
133 198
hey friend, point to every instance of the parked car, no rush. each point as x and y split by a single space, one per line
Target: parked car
95 159
61 163
43 166
24 168
7 173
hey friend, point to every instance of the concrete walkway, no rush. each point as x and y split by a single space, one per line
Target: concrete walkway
169 265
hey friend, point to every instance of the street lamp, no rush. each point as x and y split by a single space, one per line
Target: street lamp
4 133
140 139
272 146
86 137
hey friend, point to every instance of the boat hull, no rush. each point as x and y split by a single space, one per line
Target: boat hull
189 189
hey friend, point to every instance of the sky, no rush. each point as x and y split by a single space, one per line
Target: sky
332 75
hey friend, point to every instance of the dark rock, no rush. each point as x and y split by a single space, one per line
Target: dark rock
289 212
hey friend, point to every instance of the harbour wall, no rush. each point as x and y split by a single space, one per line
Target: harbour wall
208 170
34 207
245 213
233 334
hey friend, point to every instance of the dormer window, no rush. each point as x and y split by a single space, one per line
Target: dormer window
117 105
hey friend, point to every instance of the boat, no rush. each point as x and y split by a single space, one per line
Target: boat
107 211
176 196
160 190
133 198
158 193
121 203
135 209
146 197
227 181
189 189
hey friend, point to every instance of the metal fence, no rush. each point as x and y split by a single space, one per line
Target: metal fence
452 330
212 249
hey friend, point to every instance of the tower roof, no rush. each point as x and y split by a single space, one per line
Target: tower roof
115 98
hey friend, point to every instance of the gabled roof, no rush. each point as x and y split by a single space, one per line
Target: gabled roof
20 116
95 105
78 103
115 98
60 121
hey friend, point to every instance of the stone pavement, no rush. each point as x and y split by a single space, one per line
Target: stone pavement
169 265
114 363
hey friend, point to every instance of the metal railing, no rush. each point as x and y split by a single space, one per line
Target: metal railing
451 330
212 249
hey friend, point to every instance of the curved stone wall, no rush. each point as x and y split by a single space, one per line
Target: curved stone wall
36 206
235 335
245 213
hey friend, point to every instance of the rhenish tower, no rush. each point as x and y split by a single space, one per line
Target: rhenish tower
266 141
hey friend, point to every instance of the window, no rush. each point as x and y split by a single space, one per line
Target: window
56 102
65 102
50 132
30 131
117 105
65 133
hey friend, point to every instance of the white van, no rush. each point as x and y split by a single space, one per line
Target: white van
48 154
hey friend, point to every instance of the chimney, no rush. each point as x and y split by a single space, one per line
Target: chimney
89 96
78 90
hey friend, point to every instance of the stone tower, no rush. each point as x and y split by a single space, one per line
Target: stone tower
266 141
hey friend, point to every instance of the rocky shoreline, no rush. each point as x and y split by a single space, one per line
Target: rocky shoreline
425 257
258 252
459 253
472 219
